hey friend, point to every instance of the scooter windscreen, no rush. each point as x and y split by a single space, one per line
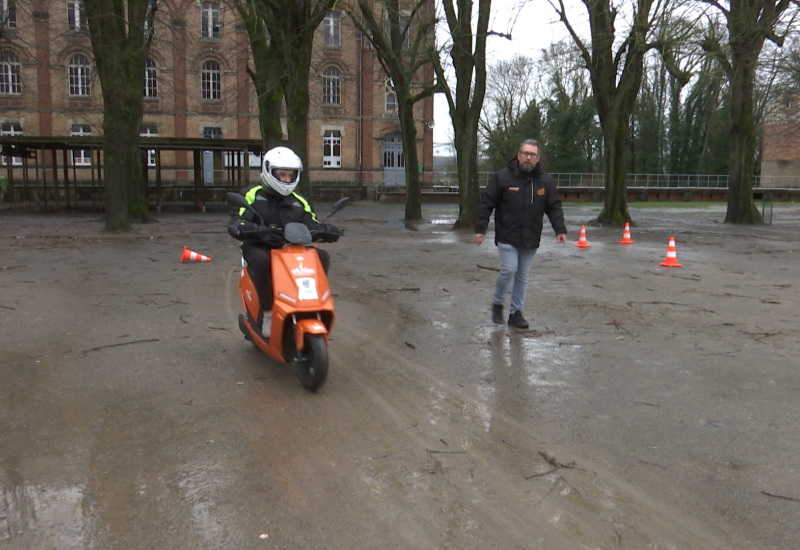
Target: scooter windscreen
296 233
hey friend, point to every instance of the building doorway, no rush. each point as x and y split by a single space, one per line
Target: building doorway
394 160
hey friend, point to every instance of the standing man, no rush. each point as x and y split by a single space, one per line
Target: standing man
520 195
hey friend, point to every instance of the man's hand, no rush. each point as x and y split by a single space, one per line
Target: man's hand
561 238
478 238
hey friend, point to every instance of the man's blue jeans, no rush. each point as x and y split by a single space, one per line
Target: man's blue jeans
515 263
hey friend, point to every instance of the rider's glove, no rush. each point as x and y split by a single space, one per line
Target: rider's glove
330 233
272 236
238 229
243 230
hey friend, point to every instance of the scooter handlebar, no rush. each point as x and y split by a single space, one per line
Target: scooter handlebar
271 234
276 236
327 233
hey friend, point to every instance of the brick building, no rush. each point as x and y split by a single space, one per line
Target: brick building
196 85
780 156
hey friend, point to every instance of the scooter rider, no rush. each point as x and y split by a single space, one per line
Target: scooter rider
277 204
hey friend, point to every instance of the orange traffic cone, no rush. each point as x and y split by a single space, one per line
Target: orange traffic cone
189 256
582 243
626 235
672 256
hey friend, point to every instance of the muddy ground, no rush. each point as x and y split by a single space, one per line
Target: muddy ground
650 407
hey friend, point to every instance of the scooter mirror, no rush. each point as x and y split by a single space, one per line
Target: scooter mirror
236 199
338 205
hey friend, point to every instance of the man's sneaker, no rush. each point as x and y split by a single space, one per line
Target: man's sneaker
516 320
497 313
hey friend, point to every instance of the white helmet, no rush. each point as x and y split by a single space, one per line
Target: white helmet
280 158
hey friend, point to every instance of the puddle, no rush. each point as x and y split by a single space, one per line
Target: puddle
44 516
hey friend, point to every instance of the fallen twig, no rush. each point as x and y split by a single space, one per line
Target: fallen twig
617 323
98 348
553 462
782 497
653 464
542 474
400 289
663 303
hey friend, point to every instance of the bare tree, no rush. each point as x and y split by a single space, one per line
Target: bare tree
750 24
281 39
267 72
407 57
121 32
510 90
790 63
682 58
571 134
616 76
468 56
292 29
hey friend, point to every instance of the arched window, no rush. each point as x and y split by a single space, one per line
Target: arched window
10 79
331 86
391 102
80 76
150 79
211 80
390 99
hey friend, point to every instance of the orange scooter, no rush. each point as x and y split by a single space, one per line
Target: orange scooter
302 310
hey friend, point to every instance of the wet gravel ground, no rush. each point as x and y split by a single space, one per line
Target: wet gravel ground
647 407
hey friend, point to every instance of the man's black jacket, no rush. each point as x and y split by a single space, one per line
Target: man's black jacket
519 201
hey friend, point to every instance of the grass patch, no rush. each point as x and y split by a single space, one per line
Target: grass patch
678 204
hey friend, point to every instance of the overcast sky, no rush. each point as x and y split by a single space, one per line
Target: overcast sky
533 26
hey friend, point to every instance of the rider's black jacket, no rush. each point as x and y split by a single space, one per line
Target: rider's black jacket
275 210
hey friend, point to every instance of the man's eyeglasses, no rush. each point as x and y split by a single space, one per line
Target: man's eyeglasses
528 154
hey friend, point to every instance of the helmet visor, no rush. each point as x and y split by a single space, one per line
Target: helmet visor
285 175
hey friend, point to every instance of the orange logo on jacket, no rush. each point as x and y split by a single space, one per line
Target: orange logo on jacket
540 191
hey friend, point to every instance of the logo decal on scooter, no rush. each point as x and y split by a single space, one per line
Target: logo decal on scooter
301 271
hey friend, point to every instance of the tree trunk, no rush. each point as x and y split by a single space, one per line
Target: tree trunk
616 79
266 77
298 98
615 205
741 206
122 168
120 50
468 54
466 145
409 133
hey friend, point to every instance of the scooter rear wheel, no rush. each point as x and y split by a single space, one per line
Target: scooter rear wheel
312 364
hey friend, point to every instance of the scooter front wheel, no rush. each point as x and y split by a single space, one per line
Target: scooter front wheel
312 364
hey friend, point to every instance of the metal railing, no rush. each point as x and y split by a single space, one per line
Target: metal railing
675 181
444 181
